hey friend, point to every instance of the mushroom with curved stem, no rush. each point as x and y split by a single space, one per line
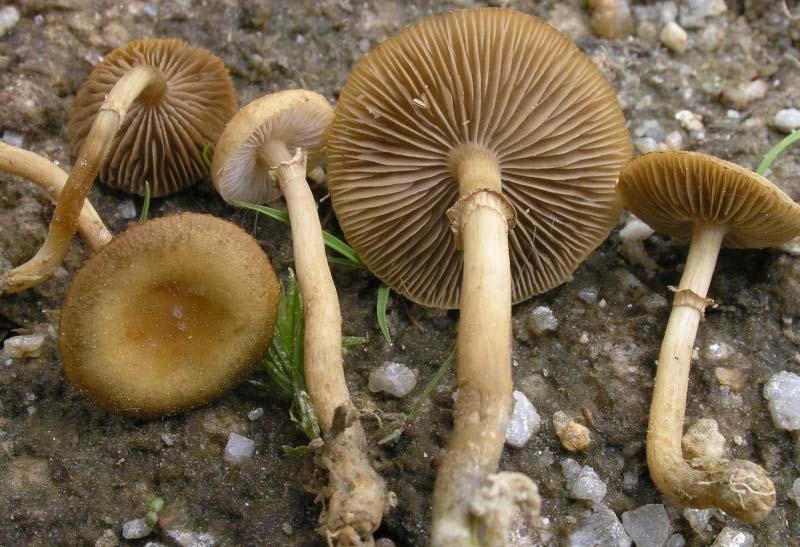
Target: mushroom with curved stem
714 203
167 316
494 119
148 108
52 179
263 152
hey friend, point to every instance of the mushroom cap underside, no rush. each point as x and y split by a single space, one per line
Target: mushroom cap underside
161 140
169 315
493 79
297 118
674 191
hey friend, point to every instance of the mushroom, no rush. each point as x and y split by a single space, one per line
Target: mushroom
178 98
167 316
484 130
52 178
712 202
263 152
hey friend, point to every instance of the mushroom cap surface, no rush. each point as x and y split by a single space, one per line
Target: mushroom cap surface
491 78
674 191
167 316
160 140
298 118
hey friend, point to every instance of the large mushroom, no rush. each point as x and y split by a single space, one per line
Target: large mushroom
167 316
713 203
484 130
52 179
145 113
263 152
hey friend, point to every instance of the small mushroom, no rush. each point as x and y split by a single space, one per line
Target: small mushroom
52 178
263 152
145 113
713 203
167 316
484 130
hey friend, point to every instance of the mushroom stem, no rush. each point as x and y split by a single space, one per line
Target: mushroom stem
140 79
739 487
51 178
480 220
356 492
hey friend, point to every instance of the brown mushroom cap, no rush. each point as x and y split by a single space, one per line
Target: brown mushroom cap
162 137
499 80
674 191
297 118
169 315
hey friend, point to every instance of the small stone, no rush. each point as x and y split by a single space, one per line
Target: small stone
9 17
794 492
541 320
12 138
745 93
588 295
186 538
396 379
611 18
588 486
699 519
675 540
718 351
791 247
783 393
674 140
647 526
238 449
601 528
127 210
168 439
108 539
729 537
255 414
150 10
574 436
135 529
689 120
704 441
584 338
695 12
287 528
646 144
674 37
787 120
26 345
653 302
635 230
731 377
524 423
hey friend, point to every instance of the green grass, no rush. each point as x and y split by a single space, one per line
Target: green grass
146 203
773 153
284 361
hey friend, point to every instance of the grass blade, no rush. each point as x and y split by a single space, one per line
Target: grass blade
383 299
208 154
146 204
770 156
330 240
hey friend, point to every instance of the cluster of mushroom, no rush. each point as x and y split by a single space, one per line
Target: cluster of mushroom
474 159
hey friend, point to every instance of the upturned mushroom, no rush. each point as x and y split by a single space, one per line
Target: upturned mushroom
263 152
484 130
52 179
145 113
712 203
168 316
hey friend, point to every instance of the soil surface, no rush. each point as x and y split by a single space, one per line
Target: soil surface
71 474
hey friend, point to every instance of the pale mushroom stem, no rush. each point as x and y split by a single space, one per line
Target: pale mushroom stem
739 487
143 81
484 398
356 492
51 179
